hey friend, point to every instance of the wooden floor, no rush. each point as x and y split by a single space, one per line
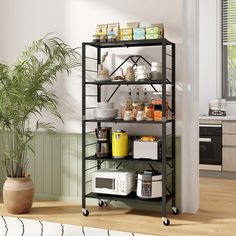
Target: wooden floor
217 214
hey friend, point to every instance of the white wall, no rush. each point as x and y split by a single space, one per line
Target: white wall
75 21
207 52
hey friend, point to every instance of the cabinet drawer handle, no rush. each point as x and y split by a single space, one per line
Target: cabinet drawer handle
205 140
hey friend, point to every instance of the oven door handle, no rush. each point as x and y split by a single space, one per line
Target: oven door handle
205 140
113 184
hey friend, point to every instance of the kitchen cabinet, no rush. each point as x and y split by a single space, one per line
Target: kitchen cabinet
229 127
167 160
229 158
229 146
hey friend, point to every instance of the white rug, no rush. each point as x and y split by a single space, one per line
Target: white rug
10 226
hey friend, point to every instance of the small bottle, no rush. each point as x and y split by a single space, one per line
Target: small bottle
129 101
147 107
137 105
145 97
127 105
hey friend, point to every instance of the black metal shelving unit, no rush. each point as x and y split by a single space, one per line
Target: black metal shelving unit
168 193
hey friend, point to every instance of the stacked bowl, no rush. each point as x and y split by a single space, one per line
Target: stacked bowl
105 111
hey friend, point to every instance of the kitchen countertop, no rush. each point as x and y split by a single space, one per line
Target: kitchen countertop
229 117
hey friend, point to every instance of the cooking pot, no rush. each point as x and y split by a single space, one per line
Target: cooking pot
149 185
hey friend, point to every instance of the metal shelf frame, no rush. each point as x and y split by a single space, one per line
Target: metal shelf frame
165 159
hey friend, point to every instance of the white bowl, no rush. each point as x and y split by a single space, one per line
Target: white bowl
105 114
142 77
105 105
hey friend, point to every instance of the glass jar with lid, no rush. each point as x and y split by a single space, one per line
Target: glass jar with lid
157 106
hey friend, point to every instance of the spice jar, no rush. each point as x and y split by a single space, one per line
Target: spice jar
111 38
157 107
137 105
148 111
103 38
96 38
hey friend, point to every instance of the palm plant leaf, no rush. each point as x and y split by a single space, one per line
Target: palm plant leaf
24 93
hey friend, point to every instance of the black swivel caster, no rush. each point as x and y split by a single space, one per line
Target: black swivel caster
175 210
85 212
165 221
101 203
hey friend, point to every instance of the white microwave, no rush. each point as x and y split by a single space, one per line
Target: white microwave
109 181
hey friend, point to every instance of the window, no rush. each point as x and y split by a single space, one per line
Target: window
229 49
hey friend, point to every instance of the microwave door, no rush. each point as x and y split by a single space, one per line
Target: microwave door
107 183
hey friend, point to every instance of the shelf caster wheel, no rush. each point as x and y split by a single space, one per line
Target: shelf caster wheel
175 210
85 212
101 203
166 221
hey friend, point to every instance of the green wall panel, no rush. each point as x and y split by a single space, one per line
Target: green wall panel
56 168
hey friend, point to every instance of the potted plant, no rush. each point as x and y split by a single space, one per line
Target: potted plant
24 93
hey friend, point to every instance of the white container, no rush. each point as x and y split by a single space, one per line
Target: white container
105 105
141 67
142 76
105 114
128 115
156 66
140 116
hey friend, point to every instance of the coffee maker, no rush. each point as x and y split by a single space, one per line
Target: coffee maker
103 148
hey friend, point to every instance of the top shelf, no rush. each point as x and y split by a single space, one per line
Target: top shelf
131 43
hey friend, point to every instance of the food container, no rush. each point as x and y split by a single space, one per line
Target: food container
152 30
114 29
126 37
133 24
156 66
148 111
96 38
161 28
152 36
111 38
103 38
157 103
126 31
155 75
139 37
101 29
139 31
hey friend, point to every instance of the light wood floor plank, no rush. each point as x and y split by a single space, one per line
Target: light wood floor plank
217 214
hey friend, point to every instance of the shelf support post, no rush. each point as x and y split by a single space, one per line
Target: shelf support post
83 124
173 148
164 128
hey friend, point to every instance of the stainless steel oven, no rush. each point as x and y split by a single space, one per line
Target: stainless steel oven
210 147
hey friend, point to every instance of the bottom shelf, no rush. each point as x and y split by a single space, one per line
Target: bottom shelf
132 197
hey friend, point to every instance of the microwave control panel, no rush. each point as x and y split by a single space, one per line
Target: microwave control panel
122 185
